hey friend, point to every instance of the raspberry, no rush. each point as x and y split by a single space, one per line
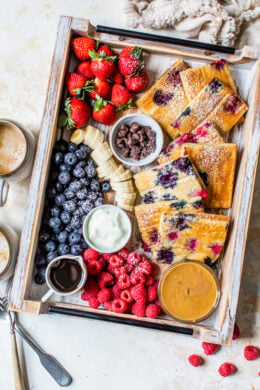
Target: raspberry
123 253
154 269
104 295
116 291
152 311
124 282
156 283
110 269
107 256
116 261
236 332
105 279
129 268
133 258
119 306
210 348
195 360
119 271
102 261
151 293
90 254
108 306
91 289
138 293
138 309
93 302
94 267
158 303
250 352
136 277
226 369
145 267
126 296
149 281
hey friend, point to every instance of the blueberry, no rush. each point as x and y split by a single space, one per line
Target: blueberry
86 148
58 158
68 228
82 194
91 163
87 206
85 181
55 211
92 195
64 178
39 277
54 222
59 187
50 246
74 238
90 171
75 185
99 201
65 217
60 199
75 222
40 260
81 164
76 212
81 211
84 245
51 193
51 255
62 236
76 249
81 154
70 159
69 206
105 186
94 184
72 147
61 146
68 193
44 236
63 249
65 168
79 172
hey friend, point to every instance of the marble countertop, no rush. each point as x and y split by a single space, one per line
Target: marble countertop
101 355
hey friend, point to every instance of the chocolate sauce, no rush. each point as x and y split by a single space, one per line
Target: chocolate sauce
66 275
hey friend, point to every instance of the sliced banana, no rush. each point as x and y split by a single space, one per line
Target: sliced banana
126 196
118 172
77 137
102 153
93 137
125 206
125 186
107 168
125 176
129 202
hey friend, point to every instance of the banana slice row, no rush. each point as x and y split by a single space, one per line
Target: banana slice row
108 168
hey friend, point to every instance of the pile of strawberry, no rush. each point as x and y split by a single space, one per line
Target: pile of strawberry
104 78
122 282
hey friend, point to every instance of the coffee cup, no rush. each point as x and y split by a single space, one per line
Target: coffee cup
65 275
8 251
16 155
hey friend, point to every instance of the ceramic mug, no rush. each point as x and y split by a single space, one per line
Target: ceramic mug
54 264
17 148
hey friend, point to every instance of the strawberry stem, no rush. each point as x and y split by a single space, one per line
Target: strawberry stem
122 107
100 103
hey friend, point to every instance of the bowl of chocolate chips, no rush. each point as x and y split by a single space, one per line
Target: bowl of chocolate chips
136 139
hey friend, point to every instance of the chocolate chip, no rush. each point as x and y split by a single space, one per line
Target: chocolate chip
126 152
134 127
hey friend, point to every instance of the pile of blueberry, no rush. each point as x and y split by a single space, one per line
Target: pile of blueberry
73 191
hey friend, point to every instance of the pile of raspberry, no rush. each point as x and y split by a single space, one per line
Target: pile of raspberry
124 282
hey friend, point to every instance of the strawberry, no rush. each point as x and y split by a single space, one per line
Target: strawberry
84 69
75 115
130 61
107 50
137 83
81 47
121 97
104 112
74 82
116 77
102 65
98 88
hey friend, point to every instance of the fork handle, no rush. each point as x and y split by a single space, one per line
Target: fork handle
18 379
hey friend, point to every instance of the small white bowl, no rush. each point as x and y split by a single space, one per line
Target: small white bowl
127 226
144 120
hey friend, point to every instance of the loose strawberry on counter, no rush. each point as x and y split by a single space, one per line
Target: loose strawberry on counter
102 65
104 112
121 97
130 61
75 115
84 68
137 83
82 46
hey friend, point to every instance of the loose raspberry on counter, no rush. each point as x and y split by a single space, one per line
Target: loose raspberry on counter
138 293
227 369
210 348
93 302
138 309
124 253
90 254
108 306
250 352
152 311
119 306
116 261
94 267
195 360
136 277
134 258
126 296
151 293
90 289
236 332
104 295
105 279
145 267
123 282
116 291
